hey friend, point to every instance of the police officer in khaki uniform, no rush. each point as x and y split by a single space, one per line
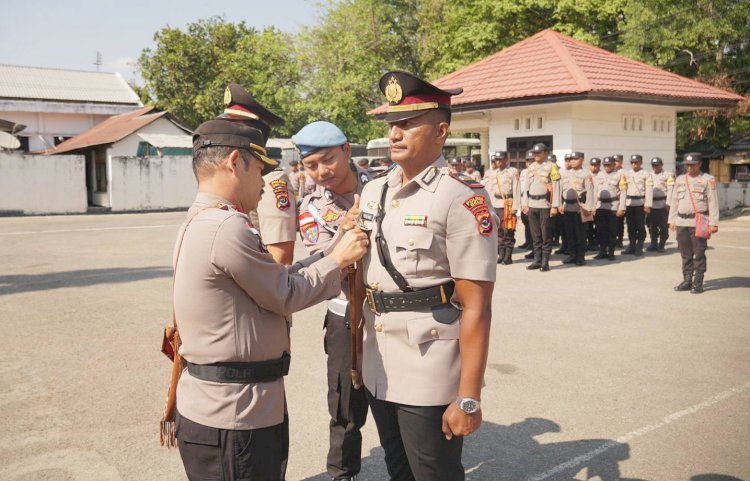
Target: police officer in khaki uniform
693 193
471 170
429 285
657 204
633 191
620 219
594 169
527 243
607 193
230 301
276 215
326 157
540 202
503 186
577 194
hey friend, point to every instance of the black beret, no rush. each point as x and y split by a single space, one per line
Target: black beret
595 161
567 156
617 157
693 158
409 96
540 147
608 161
529 155
657 161
552 158
576 155
636 158
499 155
455 161
226 133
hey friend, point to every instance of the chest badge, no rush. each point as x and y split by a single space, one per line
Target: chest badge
415 219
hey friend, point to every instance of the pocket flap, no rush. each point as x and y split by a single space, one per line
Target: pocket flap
428 329
192 432
411 238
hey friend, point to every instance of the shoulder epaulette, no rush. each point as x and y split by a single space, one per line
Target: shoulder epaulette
466 180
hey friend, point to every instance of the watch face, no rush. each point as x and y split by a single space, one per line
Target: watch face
468 405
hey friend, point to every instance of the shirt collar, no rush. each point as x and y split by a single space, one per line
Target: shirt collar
394 179
206 198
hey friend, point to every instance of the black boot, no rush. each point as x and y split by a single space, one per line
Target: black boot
581 261
508 259
652 247
697 284
639 248
630 249
662 243
592 247
500 254
529 255
611 254
686 284
537 262
545 263
602 254
569 260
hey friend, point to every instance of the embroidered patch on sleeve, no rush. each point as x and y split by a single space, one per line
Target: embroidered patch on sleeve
308 227
477 205
414 219
281 191
554 173
332 215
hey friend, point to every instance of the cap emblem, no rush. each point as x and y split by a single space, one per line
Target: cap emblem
227 96
393 92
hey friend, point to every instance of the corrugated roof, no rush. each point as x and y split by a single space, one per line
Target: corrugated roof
571 67
34 83
109 131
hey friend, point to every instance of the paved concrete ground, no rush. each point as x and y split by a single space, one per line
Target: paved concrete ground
598 372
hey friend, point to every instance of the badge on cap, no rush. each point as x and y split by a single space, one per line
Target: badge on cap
477 205
393 91
227 96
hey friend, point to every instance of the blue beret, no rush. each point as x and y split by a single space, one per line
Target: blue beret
318 135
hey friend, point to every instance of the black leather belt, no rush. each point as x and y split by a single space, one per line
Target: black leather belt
381 302
570 201
690 215
242 372
633 197
538 197
498 196
659 198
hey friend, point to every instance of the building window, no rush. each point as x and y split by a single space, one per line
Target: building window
661 125
527 123
632 123
516 124
539 122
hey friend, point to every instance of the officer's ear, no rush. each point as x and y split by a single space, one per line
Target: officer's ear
347 150
233 162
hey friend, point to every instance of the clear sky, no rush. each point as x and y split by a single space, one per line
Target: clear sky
68 33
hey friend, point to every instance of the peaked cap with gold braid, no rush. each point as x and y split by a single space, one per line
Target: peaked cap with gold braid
409 96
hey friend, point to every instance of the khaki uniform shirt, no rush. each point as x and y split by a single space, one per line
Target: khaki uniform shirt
437 228
230 299
475 175
607 190
541 179
503 184
321 214
705 197
276 215
577 189
661 189
634 188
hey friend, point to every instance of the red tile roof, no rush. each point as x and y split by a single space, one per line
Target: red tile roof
110 131
552 64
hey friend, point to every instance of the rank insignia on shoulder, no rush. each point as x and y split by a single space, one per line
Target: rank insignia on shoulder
414 219
430 175
478 207
308 227
364 178
466 180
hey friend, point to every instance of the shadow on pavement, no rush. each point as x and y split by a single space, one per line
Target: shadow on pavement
13 284
714 477
510 453
726 283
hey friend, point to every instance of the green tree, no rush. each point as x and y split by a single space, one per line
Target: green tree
187 71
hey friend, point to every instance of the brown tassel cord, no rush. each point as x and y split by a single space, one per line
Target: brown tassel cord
167 424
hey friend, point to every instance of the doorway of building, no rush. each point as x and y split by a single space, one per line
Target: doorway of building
517 147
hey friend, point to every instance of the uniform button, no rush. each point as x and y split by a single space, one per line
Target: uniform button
394 203
411 242
378 327
434 332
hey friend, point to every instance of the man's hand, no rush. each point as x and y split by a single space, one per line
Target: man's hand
647 210
351 215
553 212
458 423
673 227
620 213
525 210
351 248
714 229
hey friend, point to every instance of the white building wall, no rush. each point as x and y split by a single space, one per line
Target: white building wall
555 122
153 183
129 145
43 127
733 194
36 184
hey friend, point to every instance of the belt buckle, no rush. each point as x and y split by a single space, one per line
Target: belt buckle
371 299
443 297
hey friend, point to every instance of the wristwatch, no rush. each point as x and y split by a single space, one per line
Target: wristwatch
467 404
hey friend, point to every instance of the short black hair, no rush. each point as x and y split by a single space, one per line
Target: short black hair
208 158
